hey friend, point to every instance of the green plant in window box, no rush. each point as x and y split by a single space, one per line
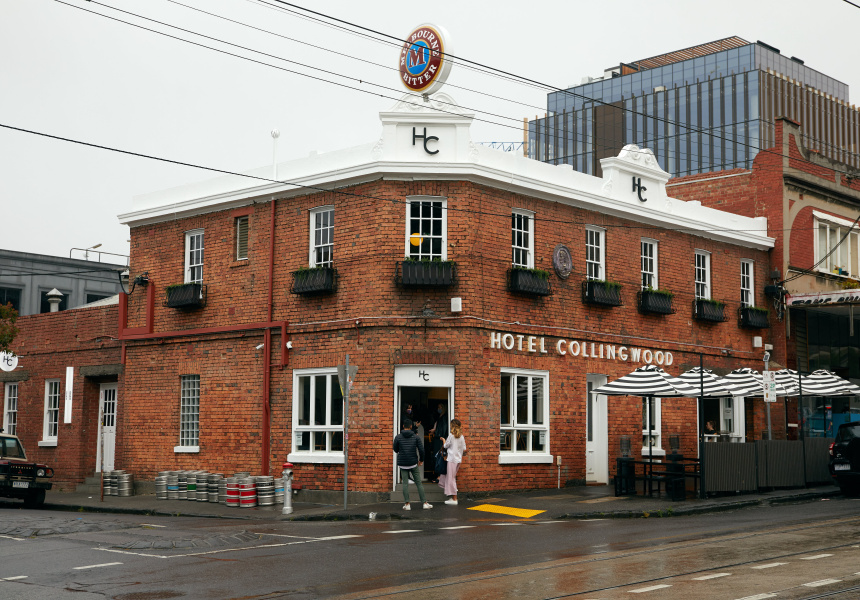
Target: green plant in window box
426 272
184 295
708 309
754 317
313 280
656 301
533 282
601 292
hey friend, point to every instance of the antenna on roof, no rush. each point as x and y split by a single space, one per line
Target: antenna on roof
275 135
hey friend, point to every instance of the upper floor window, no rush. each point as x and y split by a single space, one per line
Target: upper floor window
189 412
703 275
836 246
524 435
52 410
522 240
747 283
242 225
322 237
10 408
12 295
649 264
317 416
595 251
194 256
426 228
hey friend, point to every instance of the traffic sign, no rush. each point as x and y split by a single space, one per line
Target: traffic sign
769 385
343 379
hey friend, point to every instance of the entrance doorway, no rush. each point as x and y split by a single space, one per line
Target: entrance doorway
424 388
596 433
107 439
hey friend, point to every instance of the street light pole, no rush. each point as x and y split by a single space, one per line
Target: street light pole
767 404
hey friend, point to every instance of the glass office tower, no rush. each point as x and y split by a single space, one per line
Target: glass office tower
706 108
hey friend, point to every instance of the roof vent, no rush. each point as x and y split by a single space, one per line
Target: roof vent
768 46
797 60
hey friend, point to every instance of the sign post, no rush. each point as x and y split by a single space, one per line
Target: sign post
346 376
769 378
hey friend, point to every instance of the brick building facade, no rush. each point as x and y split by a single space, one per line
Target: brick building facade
245 378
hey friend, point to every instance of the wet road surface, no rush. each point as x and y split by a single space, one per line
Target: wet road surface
793 551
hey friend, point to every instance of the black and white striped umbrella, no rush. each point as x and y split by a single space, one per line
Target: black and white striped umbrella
649 380
750 383
787 378
825 383
714 387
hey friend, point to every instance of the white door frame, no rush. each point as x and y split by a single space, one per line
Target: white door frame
101 437
597 450
429 376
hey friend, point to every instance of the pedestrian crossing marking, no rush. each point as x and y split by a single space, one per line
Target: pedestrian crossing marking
822 582
653 588
505 510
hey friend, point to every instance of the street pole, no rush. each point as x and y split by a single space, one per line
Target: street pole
346 433
767 404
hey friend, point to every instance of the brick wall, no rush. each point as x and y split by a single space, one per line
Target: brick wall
46 345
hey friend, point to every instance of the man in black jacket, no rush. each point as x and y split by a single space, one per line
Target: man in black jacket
410 455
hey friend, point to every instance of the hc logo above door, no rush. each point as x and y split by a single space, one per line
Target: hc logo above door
426 138
639 188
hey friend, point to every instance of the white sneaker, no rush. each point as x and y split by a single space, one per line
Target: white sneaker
451 502
407 507
427 505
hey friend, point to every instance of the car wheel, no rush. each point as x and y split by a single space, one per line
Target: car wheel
35 499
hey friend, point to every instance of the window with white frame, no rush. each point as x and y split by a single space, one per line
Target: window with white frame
322 237
52 410
836 245
522 240
317 416
10 409
595 252
194 256
703 275
649 264
651 427
747 283
242 226
426 228
524 434
189 412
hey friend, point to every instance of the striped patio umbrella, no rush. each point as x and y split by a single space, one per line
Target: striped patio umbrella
714 387
826 383
787 378
650 381
750 383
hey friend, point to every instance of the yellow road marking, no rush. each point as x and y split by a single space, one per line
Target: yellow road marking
505 510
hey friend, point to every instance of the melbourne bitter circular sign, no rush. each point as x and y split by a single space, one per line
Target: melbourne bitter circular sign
423 63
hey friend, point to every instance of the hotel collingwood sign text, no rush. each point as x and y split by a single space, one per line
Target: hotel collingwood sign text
576 348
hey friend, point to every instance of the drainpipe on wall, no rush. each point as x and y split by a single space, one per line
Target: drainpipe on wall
267 352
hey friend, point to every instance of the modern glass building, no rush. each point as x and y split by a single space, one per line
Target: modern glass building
706 108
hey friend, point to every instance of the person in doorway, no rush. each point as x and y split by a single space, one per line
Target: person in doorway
410 455
455 445
439 433
710 430
409 413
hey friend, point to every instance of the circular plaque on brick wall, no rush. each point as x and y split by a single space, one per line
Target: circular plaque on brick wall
562 262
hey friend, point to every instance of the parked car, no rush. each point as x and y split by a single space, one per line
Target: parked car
20 478
845 458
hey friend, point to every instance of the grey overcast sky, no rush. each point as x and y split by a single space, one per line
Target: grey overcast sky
79 75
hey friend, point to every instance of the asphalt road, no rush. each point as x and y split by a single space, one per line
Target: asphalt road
791 551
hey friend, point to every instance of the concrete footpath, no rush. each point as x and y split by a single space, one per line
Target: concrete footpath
567 503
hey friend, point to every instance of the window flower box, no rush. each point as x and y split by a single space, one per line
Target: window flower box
427 273
532 282
753 317
655 302
186 295
709 310
601 293
319 280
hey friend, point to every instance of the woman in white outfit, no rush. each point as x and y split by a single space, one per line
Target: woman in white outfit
455 445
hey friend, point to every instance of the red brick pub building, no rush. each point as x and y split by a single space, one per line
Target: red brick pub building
498 286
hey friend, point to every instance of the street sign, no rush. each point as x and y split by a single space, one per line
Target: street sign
769 385
8 361
342 377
